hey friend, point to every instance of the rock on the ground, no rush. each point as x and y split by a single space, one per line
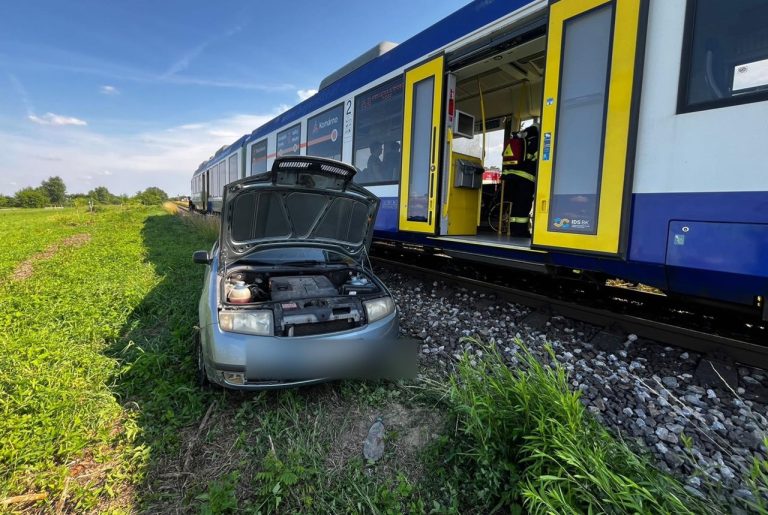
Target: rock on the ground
651 393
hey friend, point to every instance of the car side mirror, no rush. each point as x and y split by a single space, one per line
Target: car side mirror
201 257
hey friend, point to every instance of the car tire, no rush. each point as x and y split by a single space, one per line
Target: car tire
201 378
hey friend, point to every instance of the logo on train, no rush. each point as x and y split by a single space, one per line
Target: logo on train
563 223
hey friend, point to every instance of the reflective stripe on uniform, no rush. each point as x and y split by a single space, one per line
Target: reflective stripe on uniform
518 219
524 175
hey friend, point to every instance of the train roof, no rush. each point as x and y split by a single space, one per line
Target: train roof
464 21
369 55
221 154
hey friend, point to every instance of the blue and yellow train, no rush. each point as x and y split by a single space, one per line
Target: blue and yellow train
652 163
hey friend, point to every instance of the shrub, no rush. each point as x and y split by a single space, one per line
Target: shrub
524 439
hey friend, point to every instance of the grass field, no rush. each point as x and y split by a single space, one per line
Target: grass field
99 411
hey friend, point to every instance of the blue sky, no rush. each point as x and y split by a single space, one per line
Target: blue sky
136 93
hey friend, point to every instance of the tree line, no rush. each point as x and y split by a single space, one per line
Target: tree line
53 192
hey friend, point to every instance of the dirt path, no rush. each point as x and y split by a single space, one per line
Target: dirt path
26 268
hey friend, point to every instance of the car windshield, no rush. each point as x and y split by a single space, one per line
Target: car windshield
298 256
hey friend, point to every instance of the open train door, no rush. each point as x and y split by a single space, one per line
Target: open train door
589 116
421 121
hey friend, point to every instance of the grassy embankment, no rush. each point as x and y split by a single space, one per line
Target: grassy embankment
98 408
90 352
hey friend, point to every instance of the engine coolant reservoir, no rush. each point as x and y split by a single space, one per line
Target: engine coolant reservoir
239 294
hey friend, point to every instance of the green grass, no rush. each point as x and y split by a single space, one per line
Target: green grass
99 410
28 231
78 336
289 451
525 441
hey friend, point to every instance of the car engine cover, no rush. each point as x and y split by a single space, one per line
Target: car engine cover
301 287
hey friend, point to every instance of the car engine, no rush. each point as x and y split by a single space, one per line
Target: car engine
303 304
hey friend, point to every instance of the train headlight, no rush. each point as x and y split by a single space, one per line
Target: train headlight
248 322
376 309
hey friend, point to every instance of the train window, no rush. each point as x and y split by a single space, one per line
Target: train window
725 54
324 133
222 176
288 141
233 172
378 133
259 157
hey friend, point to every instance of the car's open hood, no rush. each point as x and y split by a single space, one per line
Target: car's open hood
301 202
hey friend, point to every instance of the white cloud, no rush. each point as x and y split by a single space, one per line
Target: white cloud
305 93
56 119
109 90
165 157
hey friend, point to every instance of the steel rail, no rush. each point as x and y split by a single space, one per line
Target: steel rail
705 343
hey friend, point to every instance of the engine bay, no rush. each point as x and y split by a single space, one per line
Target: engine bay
310 302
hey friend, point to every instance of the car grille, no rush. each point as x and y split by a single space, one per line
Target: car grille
332 326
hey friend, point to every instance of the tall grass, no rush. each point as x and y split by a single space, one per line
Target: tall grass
523 439
207 226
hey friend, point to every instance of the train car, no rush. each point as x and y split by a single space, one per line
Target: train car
652 115
225 166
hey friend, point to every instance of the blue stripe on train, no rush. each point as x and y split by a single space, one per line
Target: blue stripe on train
722 255
464 21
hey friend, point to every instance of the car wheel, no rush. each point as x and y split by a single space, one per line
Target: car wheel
201 377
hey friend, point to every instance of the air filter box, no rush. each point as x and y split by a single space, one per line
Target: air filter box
301 287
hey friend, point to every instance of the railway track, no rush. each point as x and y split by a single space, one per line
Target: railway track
745 350
749 349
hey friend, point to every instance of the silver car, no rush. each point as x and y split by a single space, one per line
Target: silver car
287 298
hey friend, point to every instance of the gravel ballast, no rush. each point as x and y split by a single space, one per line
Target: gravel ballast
706 433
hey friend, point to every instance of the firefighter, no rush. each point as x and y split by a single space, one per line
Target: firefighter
518 171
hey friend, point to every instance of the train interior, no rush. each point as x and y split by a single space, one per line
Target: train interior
505 90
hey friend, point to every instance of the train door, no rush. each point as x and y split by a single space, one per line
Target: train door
421 122
591 90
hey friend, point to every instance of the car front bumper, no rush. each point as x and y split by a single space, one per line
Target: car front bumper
270 362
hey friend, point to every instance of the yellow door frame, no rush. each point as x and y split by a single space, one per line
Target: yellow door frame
430 69
625 68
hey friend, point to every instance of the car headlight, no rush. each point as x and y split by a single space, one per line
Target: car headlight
248 322
376 309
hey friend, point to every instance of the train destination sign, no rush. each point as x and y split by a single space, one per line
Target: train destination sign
323 133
